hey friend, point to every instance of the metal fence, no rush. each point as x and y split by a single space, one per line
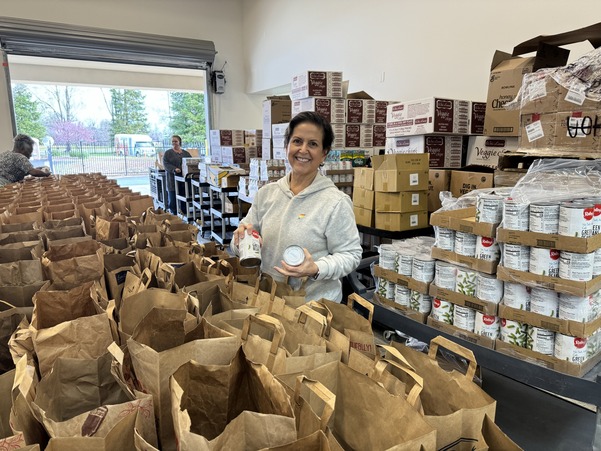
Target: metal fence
100 157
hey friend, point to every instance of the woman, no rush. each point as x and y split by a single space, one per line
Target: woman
15 165
306 209
172 162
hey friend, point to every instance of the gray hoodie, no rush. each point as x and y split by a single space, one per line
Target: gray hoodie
319 218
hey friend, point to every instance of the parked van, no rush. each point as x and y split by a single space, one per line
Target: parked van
134 145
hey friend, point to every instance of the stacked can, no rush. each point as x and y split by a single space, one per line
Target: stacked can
487 325
442 310
513 332
420 302
385 287
489 208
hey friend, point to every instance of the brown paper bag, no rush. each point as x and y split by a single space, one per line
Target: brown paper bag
21 273
180 231
28 250
336 340
206 397
10 318
62 223
116 267
495 438
19 237
8 438
138 204
452 402
18 227
70 265
111 227
265 345
314 442
190 279
152 216
36 216
91 210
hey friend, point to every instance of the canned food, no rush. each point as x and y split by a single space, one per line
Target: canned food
445 275
248 249
466 281
513 332
489 208
597 214
540 340
294 255
516 295
442 311
422 269
445 239
576 219
420 302
464 318
487 325
597 263
465 244
544 261
572 349
487 248
575 266
386 289
489 288
577 308
402 295
387 256
515 215
516 256
544 302
405 262
544 217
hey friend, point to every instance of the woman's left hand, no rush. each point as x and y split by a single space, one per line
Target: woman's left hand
308 268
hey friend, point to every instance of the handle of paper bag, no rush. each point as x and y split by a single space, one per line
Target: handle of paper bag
322 392
166 238
7 304
363 303
413 395
394 352
304 312
166 224
319 308
271 292
457 349
270 323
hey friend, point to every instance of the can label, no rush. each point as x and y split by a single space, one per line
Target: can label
446 275
577 308
572 349
597 217
489 288
404 263
402 295
420 302
516 295
576 219
516 215
249 249
464 318
544 302
466 281
387 256
544 218
540 340
442 311
544 261
487 248
513 332
487 325
489 208
574 266
516 256
445 239
465 244
386 289
597 263
423 269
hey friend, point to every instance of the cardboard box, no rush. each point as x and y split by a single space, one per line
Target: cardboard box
339 135
398 222
364 217
464 181
548 361
508 178
461 333
253 138
381 107
379 135
234 155
358 135
446 151
404 202
577 130
276 110
332 109
485 307
403 310
360 110
399 279
430 115
190 166
316 84
551 283
363 198
477 116
537 131
266 149
395 173
485 266
438 180
364 178
540 94
505 81
485 150
215 154
226 137
279 153
551 241
463 220
564 326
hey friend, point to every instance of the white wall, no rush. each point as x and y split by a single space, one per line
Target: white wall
419 48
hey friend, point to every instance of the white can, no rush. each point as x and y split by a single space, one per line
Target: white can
576 219
544 261
489 208
577 308
445 239
387 256
248 249
544 302
402 295
445 276
572 349
487 249
540 340
513 332
386 289
466 281
597 263
465 244
515 215
423 268
404 262
420 302
487 325
516 295
544 217
516 256
464 318
442 311
597 215
575 266
489 288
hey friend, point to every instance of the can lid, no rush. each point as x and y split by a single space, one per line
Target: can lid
294 255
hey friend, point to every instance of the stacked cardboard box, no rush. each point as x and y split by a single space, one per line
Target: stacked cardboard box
224 138
276 110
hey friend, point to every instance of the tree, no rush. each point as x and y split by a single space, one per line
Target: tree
67 132
27 113
188 116
128 111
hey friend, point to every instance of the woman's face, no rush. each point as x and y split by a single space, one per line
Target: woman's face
175 143
305 149
27 150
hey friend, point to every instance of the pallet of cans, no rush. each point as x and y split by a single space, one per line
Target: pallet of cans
404 275
464 322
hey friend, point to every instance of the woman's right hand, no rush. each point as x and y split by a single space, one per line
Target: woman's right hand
240 231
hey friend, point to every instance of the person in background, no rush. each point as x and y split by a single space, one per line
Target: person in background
172 162
305 208
15 165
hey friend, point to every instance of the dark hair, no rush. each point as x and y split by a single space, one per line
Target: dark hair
179 138
315 119
22 143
